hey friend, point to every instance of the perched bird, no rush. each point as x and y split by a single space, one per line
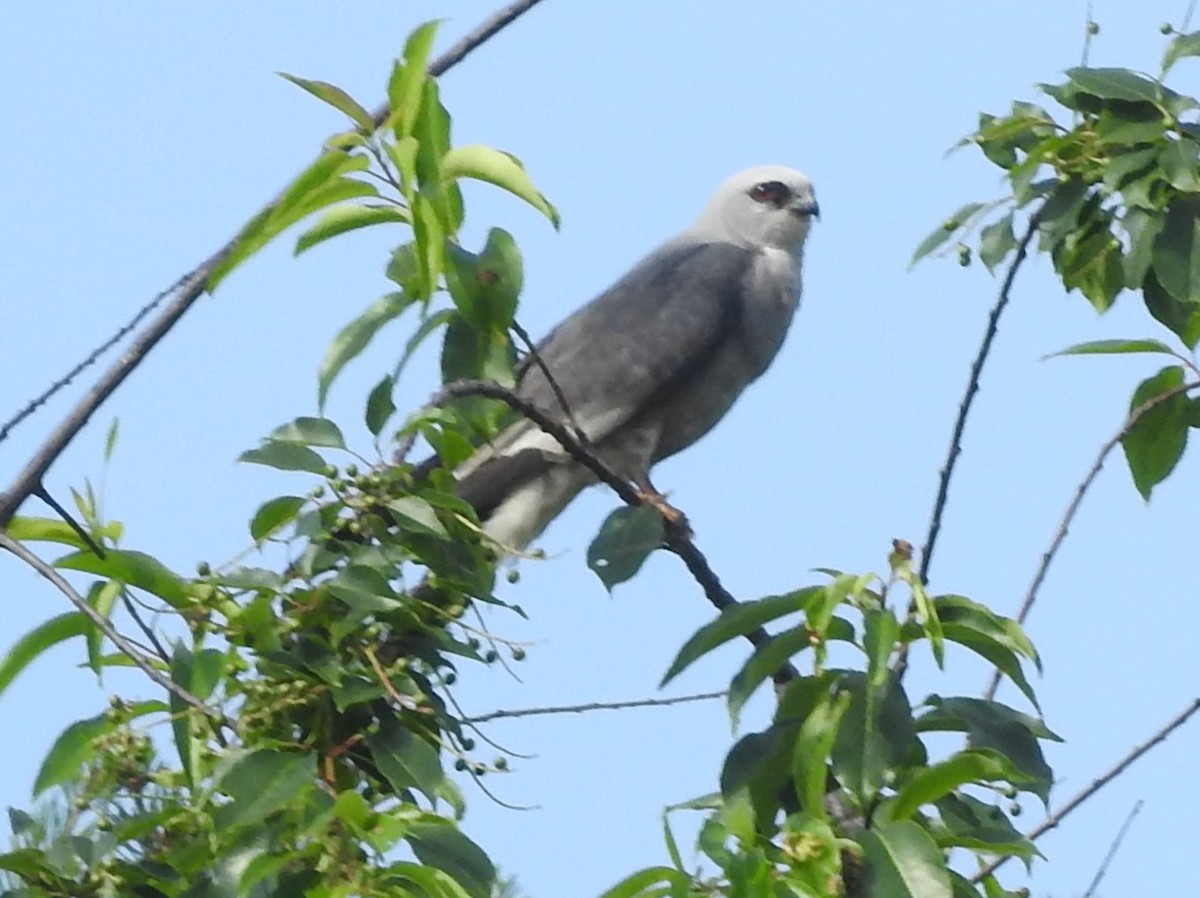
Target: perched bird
654 362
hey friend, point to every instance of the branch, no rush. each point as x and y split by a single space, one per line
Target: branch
964 408
1096 785
105 626
91 359
188 289
676 535
596 706
1069 515
1112 850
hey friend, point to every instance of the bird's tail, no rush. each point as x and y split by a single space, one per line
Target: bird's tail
521 516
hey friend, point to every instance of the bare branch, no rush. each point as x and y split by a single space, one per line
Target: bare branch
964 408
104 626
187 290
677 537
1097 784
1081 491
1112 850
595 706
93 356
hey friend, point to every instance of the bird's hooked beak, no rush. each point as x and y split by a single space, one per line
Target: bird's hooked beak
805 208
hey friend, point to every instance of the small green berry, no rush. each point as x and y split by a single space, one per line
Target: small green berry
518 653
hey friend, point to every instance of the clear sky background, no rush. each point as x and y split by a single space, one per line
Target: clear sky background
136 141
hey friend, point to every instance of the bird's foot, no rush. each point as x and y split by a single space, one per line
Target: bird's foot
672 515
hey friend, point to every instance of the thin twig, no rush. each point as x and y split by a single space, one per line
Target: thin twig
595 706
1112 850
677 538
37 402
187 290
559 396
1089 32
104 626
964 408
1096 785
131 607
1069 515
44 494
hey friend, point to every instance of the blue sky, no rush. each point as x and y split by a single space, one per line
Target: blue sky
139 142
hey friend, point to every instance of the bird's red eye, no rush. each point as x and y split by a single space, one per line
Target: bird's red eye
774 192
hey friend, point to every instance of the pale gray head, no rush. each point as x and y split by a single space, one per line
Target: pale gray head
770 205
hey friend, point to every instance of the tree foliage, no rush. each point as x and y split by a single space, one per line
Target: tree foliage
310 726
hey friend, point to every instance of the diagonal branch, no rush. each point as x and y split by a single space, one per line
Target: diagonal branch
1097 784
677 538
1069 515
105 626
964 408
595 706
189 288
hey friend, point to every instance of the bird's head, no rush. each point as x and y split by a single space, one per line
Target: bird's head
770 205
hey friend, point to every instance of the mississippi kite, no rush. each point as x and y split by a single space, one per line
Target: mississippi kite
654 362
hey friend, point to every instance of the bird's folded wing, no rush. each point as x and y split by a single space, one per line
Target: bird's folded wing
645 336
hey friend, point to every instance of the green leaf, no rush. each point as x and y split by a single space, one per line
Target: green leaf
405 759
499 168
43 636
302 197
994 725
1113 347
766 661
182 718
735 622
1155 442
380 405
471 354
996 241
354 337
110 440
102 596
652 881
992 650
1115 84
71 750
943 232
273 514
408 79
261 783
485 287
1142 228
365 589
904 862
877 734
929 784
1180 46
416 514
285 457
348 217
1180 161
1182 318
971 823
625 541
54 530
337 98
1194 411
1176 256
813 743
443 845
135 569
431 881
310 432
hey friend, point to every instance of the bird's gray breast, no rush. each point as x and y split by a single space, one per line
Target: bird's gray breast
768 295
